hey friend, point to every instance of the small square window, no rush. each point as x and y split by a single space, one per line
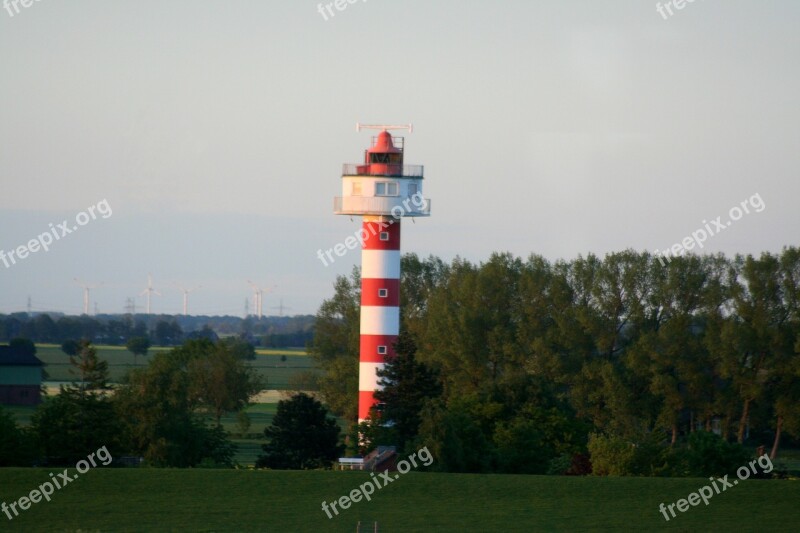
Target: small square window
382 350
383 293
356 188
384 235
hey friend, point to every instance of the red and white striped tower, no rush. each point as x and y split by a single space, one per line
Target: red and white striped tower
383 191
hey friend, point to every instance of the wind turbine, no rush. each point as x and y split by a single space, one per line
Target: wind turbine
86 289
186 297
258 297
149 290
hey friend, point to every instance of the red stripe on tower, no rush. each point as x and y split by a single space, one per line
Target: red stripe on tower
383 234
380 291
377 348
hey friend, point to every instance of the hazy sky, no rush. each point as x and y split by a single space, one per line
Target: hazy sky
216 131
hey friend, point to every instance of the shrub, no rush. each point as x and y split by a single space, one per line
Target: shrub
644 455
708 454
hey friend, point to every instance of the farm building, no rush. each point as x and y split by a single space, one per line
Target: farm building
20 377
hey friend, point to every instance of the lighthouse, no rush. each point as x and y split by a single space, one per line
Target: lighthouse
382 190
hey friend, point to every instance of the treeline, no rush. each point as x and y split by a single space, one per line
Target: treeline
162 330
160 412
618 363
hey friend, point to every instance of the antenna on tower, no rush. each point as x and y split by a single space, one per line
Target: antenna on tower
86 288
385 127
149 290
186 297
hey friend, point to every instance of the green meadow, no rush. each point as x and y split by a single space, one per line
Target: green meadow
276 366
245 500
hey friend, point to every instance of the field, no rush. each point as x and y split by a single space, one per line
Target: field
242 500
268 363
146 499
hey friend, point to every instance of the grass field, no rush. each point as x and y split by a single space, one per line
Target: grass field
241 500
268 363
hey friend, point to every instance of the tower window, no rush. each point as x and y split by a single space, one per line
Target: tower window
384 188
356 188
382 350
384 235
383 293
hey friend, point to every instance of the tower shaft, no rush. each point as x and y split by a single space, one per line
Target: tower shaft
380 304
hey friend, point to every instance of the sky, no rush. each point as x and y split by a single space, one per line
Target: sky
208 137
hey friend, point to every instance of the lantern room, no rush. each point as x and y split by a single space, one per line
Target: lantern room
383 184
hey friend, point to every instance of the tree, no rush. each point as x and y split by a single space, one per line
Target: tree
757 340
407 384
335 347
642 353
784 383
159 411
70 347
219 378
241 348
167 333
93 372
138 346
243 422
454 435
204 333
23 346
15 448
74 423
301 436
81 417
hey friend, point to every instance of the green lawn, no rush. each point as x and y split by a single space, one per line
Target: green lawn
231 500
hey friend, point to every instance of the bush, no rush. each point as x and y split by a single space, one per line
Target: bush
708 454
570 464
611 456
559 466
644 455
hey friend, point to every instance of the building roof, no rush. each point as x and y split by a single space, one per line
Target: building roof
13 357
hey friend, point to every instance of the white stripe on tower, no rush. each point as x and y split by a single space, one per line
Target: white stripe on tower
380 304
